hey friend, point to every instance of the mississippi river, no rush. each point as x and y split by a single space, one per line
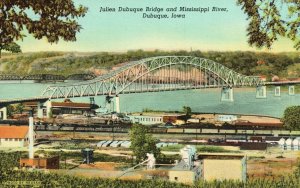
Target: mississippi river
205 100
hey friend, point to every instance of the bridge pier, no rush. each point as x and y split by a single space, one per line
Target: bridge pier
48 109
40 113
227 94
117 104
277 91
291 90
3 113
261 92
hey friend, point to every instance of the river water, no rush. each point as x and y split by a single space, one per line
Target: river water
201 100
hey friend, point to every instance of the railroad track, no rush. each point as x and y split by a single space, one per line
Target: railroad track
162 130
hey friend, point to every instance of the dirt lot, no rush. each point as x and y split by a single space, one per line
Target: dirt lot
270 168
211 118
102 166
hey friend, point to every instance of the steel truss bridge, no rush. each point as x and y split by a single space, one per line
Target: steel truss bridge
154 74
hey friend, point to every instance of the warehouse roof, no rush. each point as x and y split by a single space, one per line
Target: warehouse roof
13 131
66 104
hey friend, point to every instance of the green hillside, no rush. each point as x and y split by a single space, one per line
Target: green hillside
65 63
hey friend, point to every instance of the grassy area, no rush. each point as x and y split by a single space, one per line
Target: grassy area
77 157
74 145
202 148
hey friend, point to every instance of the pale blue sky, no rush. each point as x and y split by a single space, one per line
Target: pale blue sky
217 31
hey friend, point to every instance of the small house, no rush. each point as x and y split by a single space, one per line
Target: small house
13 136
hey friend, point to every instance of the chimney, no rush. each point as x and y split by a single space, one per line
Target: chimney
30 135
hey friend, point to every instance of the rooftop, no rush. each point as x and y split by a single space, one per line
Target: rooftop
70 105
155 114
13 131
182 167
66 104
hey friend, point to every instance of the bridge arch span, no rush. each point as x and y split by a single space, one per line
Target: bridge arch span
156 74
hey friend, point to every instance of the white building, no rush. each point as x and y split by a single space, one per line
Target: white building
146 119
13 136
226 118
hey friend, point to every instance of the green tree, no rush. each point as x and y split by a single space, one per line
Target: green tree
10 110
50 113
51 19
291 118
187 111
19 108
271 19
142 142
11 47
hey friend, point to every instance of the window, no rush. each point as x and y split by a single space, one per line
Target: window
6 139
16 139
10 139
176 178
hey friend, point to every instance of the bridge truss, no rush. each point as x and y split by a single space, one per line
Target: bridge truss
163 73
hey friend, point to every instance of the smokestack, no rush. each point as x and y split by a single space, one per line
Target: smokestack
30 135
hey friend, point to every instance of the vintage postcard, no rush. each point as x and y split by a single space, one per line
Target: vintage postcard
150 93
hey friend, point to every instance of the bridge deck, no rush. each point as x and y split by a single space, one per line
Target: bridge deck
283 82
20 100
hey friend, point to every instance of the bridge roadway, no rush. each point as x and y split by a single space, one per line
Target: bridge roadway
283 83
6 102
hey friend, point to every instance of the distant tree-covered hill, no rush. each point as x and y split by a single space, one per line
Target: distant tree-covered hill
249 63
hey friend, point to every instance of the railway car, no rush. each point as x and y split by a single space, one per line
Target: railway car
227 131
175 130
210 131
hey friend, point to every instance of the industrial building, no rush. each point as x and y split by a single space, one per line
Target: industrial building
223 167
146 119
13 136
208 167
186 171
181 174
45 163
65 107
